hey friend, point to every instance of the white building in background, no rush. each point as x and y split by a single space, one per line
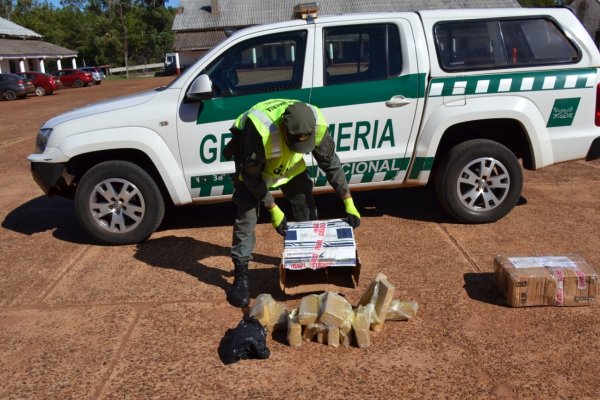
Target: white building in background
22 50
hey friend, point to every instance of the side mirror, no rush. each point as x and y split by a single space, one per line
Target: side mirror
200 89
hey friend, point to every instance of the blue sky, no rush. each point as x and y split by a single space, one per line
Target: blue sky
170 3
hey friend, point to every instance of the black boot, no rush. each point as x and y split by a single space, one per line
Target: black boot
239 293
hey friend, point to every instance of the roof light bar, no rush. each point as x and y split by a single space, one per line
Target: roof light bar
306 11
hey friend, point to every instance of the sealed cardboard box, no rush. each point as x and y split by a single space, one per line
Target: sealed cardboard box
546 281
319 256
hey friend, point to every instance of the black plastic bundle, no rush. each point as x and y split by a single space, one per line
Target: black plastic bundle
247 340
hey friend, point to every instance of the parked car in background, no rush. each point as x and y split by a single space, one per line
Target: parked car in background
74 77
96 72
13 86
44 83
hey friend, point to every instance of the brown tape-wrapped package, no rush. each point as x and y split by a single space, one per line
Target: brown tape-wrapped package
310 331
361 322
334 310
380 293
346 333
546 281
402 310
308 312
294 329
271 314
333 336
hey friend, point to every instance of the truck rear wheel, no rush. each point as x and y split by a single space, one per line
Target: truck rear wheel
117 202
479 181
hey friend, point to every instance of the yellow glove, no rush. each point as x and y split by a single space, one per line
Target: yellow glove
278 220
352 214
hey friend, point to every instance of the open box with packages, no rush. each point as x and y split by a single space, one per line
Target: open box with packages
546 281
319 256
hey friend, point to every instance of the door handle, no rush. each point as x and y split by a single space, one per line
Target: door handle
398 101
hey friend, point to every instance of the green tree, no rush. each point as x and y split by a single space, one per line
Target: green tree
6 7
103 32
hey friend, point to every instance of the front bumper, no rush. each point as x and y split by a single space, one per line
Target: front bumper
50 178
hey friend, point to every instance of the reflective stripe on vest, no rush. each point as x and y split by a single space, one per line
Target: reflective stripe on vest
282 164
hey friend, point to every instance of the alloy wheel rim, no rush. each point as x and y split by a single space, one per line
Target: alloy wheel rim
483 184
117 205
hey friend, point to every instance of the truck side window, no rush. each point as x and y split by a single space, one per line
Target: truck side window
361 53
263 64
479 44
536 42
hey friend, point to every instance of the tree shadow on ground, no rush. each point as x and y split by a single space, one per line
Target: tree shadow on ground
189 255
481 286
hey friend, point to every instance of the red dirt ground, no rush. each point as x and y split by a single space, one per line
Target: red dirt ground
78 320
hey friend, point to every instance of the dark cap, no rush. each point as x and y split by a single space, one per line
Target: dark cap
299 121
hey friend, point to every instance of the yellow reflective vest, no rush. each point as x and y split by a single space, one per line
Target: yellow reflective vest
281 164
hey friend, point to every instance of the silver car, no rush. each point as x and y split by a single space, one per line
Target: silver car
96 72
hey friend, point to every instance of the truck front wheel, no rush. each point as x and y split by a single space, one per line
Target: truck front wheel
117 202
479 181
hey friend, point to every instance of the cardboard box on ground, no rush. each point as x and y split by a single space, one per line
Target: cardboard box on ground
329 318
546 280
319 256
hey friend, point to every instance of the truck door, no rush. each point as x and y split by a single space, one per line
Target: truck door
368 85
252 69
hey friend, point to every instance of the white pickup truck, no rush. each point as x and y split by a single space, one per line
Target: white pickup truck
464 98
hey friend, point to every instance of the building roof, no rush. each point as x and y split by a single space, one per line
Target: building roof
10 29
198 40
17 42
197 15
19 48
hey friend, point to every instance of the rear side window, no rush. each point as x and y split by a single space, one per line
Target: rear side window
469 45
361 53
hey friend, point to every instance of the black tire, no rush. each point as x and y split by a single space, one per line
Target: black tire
112 218
479 181
9 94
78 83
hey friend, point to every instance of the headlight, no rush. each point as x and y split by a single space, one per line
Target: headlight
42 139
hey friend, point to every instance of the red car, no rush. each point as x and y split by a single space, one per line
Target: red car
44 83
74 77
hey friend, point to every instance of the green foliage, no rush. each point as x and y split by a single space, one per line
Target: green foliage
100 30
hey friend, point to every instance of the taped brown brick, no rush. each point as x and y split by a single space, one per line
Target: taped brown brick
310 332
380 293
402 310
333 336
346 333
334 310
361 324
321 335
308 312
271 314
294 329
